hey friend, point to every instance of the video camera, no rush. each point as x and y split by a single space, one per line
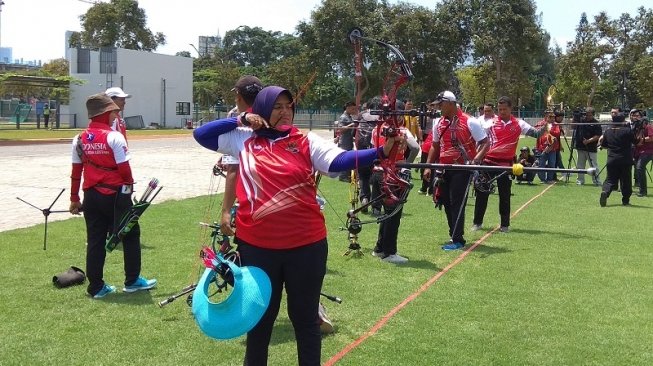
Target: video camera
578 114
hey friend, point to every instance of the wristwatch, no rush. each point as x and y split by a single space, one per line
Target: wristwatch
243 119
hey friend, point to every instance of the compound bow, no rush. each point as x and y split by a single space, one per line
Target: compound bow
395 186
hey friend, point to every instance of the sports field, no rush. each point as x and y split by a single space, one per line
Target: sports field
570 284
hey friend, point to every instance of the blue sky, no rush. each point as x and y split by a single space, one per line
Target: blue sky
35 28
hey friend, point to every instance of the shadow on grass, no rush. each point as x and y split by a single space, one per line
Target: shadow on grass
420 264
486 251
137 298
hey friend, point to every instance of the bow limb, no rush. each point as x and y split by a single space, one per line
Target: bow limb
395 188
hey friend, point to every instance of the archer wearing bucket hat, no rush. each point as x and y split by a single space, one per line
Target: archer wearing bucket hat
280 228
119 97
101 157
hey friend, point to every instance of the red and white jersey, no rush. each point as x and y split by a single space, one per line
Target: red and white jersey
102 150
550 137
119 125
276 188
504 138
464 132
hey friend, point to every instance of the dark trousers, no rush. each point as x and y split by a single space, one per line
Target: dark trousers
376 180
364 175
640 173
389 231
427 186
452 193
101 214
503 184
301 271
46 119
619 173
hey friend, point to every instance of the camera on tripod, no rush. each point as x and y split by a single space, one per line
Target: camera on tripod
578 114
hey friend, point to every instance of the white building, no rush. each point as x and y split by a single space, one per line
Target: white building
155 81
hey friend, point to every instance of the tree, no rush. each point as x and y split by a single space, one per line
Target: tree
641 80
58 67
476 84
183 54
427 38
580 71
508 34
256 47
119 23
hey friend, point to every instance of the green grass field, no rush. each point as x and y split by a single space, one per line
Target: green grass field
571 284
12 134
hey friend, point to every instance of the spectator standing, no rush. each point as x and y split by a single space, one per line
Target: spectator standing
119 97
101 155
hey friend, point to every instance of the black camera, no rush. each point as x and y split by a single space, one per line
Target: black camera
389 131
637 125
578 114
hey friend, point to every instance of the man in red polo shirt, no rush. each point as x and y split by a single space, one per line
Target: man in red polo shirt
504 135
457 139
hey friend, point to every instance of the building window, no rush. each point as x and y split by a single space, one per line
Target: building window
83 61
108 60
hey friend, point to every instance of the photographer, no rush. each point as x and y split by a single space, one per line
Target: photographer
618 139
643 150
528 160
586 137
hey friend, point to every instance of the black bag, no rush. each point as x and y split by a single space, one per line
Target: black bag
73 276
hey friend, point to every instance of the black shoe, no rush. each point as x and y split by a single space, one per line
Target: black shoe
604 199
376 212
626 203
641 195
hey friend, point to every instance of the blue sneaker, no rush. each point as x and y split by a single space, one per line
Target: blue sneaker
453 246
140 284
104 291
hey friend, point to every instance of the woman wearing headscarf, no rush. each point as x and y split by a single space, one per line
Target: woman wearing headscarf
280 226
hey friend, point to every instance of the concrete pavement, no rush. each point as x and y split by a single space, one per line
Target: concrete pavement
37 172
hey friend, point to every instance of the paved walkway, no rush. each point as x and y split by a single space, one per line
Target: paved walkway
37 172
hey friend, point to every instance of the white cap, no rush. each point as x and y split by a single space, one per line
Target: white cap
116 92
446 96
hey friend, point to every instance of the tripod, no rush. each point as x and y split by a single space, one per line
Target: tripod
46 212
571 153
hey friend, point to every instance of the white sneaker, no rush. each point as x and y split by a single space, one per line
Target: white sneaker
476 227
378 254
326 326
579 183
504 229
395 258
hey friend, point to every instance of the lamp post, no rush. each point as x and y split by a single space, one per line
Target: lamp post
195 48
1 4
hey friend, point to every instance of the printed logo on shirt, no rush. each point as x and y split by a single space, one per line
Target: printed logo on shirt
292 147
90 137
257 147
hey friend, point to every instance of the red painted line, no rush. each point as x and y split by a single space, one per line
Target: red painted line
338 356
